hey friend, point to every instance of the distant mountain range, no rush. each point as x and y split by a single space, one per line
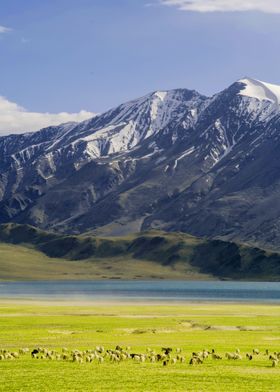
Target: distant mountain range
172 160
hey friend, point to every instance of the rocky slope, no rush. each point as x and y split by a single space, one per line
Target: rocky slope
175 161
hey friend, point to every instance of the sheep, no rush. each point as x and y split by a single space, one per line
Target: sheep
249 356
229 355
180 358
161 357
137 358
123 356
115 358
23 351
275 362
166 350
78 359
256 351
100 349
196 361
205 354
34 353
216 356
143 358
233 356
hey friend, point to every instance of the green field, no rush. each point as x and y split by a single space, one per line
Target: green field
192 327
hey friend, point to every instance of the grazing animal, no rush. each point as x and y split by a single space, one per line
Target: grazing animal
275 362
205 354
229 355
166 350
196 361
180 358
34 353
216 356
23 351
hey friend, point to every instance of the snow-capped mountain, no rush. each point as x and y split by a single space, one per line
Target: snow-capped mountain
174 160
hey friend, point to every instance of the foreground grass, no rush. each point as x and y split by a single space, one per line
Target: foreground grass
191 327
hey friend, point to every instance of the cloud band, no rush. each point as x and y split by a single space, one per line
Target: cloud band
4 30
267 6
15 119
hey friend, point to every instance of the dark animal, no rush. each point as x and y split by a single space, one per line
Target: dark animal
34 352
166 350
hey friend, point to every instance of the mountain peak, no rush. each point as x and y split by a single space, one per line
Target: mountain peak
160 94
262 91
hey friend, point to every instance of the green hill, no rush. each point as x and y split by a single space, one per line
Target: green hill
29 253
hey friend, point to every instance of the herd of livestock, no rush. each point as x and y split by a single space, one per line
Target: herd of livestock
166 356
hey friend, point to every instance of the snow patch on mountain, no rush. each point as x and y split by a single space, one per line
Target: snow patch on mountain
260 90
183 155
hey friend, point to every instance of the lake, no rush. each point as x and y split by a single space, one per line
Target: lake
267 292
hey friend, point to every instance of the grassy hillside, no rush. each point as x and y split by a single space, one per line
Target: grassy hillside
30 253
22 263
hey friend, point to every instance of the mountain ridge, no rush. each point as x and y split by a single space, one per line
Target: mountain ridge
175 161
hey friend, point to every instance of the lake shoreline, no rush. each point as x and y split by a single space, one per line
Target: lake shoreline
153 292
94 303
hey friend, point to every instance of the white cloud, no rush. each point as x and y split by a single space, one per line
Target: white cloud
4 30
16 119
267 6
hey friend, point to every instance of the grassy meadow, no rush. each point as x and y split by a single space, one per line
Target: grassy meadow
190 326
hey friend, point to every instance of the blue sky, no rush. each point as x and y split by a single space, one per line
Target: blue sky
72 55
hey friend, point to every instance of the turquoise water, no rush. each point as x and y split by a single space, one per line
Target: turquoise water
145 290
